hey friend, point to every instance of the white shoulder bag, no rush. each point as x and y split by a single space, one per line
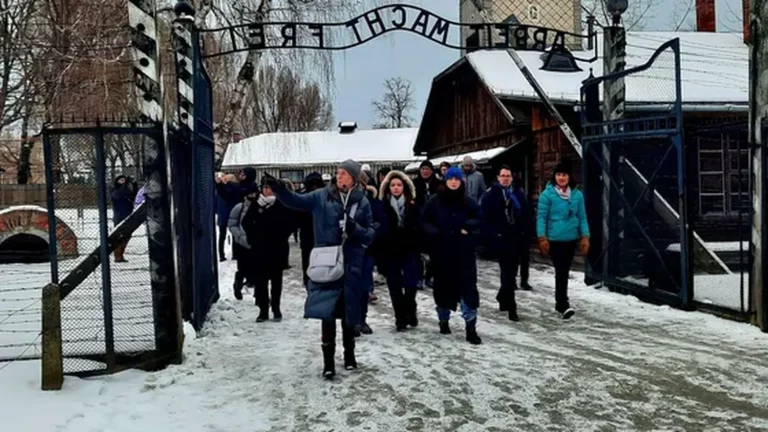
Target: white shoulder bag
326 263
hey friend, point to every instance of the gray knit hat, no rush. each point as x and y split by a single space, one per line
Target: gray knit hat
352 167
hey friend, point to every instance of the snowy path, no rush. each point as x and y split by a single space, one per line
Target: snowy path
618 365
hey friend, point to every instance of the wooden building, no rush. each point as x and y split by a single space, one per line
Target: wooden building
293 155
483 102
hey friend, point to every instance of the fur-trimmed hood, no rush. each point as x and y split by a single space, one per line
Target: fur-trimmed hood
372 191
384 188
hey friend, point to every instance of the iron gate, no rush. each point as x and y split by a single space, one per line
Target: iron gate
114 314
634 173
194 155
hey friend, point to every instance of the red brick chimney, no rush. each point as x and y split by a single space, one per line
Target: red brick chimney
745 15
705 15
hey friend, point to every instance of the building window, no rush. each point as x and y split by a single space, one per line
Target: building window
723 176
295 176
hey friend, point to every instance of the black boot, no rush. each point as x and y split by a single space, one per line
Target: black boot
445 328
400 323
513 311
472 336
238 286
525 286
503 305
277 293
329 364
350 363
411 311
263 315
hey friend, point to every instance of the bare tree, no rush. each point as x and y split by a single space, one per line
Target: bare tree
16 18
395 106
637 14
281 101
318 65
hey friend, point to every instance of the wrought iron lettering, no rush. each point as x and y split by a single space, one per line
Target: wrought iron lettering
385 19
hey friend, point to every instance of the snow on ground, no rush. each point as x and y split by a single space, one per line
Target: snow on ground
82 311
619 364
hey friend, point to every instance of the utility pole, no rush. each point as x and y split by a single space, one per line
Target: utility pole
614 91
758 111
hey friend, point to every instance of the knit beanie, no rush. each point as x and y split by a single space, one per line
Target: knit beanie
453 172
426 163
352 167
564 167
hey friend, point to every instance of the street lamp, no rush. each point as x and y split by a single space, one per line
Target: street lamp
616 8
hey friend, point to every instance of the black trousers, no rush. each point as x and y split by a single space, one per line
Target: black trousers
222 241
562 257
262 281
328 329
305 264
525 260
508 262
241 273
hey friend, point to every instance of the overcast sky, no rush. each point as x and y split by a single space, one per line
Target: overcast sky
361 71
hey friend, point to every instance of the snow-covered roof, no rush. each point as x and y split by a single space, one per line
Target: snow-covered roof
714 69
322 147
481 156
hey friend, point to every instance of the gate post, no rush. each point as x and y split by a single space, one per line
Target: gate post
614 51
758 109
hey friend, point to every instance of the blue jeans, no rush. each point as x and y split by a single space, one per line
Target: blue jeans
466 313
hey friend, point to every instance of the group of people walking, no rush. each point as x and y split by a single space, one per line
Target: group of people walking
359 222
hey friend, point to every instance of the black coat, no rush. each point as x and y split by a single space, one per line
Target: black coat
268 230
505 225
425 189
443 218
122 200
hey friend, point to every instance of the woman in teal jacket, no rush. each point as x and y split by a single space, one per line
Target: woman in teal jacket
561 226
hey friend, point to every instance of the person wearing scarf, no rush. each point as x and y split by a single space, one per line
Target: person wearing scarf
398 246
562 228
503 227
449 220
268 226
340 210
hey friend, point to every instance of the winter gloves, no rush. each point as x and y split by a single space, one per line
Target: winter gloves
584 246
544 245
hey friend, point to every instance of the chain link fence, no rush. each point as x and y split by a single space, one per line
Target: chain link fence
106 299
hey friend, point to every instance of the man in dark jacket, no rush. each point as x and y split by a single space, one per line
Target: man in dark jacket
312 182
503 227
268 225
123 195
426 184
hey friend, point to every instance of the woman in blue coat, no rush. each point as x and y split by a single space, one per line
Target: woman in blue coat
450 220
561 225
397 246
340 209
